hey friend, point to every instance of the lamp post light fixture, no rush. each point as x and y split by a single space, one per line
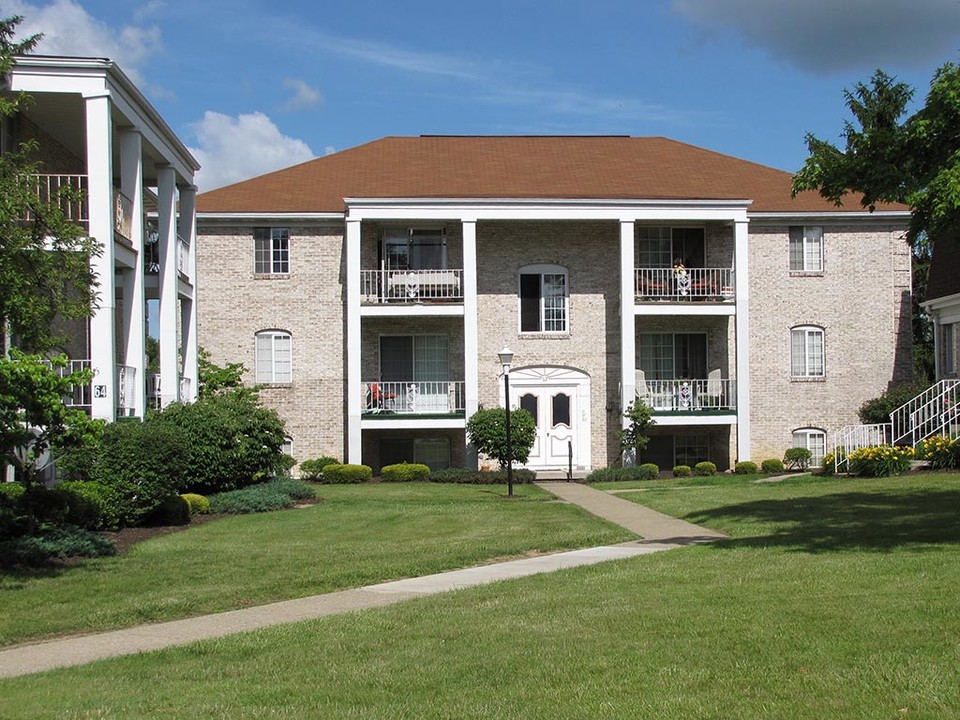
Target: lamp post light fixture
506 357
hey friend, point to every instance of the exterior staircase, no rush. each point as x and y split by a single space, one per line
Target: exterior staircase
935 411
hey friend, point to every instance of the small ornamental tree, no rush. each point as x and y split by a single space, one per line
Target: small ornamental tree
488 433
634 437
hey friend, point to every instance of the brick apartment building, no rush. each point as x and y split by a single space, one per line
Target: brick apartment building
370 291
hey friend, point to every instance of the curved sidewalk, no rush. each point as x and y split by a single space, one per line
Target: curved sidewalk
659 532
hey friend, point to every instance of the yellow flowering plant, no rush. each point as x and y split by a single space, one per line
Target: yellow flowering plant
941 451
880 460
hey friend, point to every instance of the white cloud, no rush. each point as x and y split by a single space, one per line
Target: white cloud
68 29
304 96
827 36
232 149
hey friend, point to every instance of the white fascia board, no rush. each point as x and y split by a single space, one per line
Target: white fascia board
884 217
400 310
286 217
474 209
399 422
947 301
691 420
654 309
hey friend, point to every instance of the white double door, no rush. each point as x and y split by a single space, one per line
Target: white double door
558 400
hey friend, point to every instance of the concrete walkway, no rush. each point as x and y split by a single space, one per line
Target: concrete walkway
659 532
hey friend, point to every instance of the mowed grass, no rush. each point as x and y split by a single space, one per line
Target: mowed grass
832 598
359 535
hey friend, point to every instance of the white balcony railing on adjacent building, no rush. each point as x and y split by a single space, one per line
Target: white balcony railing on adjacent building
398 286
126 390
414 397
701 395
684 284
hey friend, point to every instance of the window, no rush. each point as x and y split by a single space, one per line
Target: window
814 440
287 447
543 299
806 352
271 251
691 449
670 356
947 356
415 249
806 249
662 247
273 359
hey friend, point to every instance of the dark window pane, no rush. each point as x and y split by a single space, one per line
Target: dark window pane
561 410
530 303
528 402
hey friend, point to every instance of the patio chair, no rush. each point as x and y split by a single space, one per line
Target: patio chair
712 397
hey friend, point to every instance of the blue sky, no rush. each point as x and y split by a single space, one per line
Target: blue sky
251 86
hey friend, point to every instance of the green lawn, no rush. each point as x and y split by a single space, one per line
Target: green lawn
361 534
831 599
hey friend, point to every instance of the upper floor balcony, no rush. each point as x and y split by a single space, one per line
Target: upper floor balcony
681 284
433 285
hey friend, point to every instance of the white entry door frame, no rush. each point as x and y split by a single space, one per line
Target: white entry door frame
559 400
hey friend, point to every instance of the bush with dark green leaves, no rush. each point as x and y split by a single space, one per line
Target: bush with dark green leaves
878 409
404 472
232 442
173 510
682 471
647 471
273 495
467 476
54 542
487 431
95 506
745 467
797 458
313 469
772 465
343 474
144 462
705 468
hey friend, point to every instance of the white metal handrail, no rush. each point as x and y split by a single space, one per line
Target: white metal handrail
684 283
414 397
392 286
932 412
853 437
699 394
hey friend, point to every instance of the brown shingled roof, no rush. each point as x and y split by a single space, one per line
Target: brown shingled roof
548 167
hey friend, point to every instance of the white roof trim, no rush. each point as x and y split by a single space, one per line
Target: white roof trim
878 215
939 303
291 216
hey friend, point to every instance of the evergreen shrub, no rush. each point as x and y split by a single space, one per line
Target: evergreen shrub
705 468
467 476
682 471
745 467
404 472
313 469
198 504
772 465
343 474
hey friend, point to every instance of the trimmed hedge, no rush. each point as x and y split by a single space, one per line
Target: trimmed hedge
682 471
745 467
772 465
705 468
174 510
344 474
404 472
199 505
647 471
313 469
467 476
94 505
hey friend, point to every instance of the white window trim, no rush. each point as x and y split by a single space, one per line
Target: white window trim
272 242
259 374
803 435
542 270
809 331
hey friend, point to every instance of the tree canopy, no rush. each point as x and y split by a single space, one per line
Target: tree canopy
892 157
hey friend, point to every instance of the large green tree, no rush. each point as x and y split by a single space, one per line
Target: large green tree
45 273
890 156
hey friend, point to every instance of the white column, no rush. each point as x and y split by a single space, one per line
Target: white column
188 323
100 205
134 303
167 225
354 381
471 369
742 290
628 337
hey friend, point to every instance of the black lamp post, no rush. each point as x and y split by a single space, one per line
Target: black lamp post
506 357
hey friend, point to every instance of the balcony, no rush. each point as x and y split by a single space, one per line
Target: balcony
68 192
411 286
415 397
683 284
126 390
688 396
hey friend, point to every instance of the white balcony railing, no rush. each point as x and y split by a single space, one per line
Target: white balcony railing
68 192
414 397
684 284
183 256
411 286
184 389
154 390
122 215
79 395
666 395
126 390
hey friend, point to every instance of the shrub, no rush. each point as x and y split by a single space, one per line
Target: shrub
404 472
232 442
342 474
941 451
682 471
880 460
313 469
144 463
264 497
878 409
797 458
12 491
95 506
772 466
648 471
468 476
705 468
173 510
198 504
828 467
745 467
487 431
13 521
61 541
